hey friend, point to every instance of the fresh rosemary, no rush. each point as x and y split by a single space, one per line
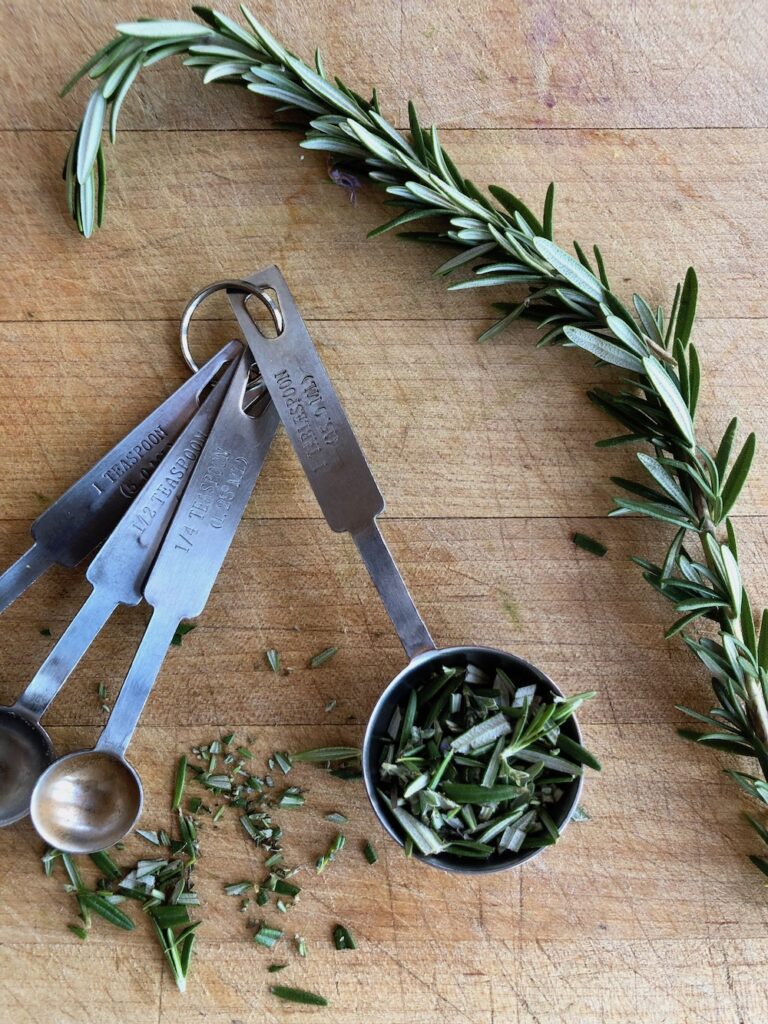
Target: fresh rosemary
477 767
505 244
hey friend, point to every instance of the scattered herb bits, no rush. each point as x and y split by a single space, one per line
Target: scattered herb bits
273 659
267 937
587 543
342 938
298 995
475 766
369 852
322 657
325 859
181 631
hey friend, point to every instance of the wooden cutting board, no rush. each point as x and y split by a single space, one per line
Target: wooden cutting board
651 120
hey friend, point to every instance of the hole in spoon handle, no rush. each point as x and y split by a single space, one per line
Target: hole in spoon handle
381 566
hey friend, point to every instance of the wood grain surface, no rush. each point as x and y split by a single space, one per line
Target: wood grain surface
651 117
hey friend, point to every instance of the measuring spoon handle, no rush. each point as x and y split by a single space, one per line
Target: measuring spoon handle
23 573
66 653
382 568
138 684
327 447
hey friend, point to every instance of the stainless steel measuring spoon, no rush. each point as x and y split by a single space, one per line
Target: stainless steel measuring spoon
77 522
117 574
90 799
350 501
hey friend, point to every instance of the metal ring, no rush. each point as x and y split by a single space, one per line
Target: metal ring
228 286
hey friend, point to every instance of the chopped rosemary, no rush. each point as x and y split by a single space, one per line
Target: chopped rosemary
297 995
291 797
322 657
267 937
181 631
336 846
78 930
45 631
301 945
181 779
330 705
337 818
318 755
342 939
474 766
587 543
273 659
274 968
369 852
237 888
283 761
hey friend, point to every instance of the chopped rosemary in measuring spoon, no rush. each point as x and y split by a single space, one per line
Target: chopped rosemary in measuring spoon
476 766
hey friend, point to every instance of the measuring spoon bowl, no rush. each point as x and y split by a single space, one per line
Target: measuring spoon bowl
86 801
419 669
25 753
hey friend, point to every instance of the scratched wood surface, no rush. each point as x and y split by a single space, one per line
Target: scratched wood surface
652 119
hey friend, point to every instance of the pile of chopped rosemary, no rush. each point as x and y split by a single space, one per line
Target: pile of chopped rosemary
223 774
477 767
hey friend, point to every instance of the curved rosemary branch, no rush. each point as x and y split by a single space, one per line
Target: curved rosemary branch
503 243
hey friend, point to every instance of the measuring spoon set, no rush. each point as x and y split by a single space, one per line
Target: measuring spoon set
164 505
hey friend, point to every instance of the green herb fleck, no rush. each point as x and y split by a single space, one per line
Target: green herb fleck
181 631
370 853
181 780
273 658
298 995
594 547
322 657
267 937
342 939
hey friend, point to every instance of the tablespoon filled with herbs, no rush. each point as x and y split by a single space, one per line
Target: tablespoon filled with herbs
472 757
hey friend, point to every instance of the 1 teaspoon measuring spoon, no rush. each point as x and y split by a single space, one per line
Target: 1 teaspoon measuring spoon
117 573
77 522
350 501
90 799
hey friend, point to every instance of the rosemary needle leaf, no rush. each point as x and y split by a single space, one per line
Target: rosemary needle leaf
273 658
237 888
106 865
342 938
267 937
181 631
181 779
101 906
337 818
369 852
78 930
321 754
322 657
587 543
274 968
298 995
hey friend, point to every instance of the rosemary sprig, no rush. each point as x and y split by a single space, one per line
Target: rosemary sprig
504 243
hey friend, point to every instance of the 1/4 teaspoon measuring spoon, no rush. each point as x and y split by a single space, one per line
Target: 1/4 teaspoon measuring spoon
350 501
117 574
90 799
